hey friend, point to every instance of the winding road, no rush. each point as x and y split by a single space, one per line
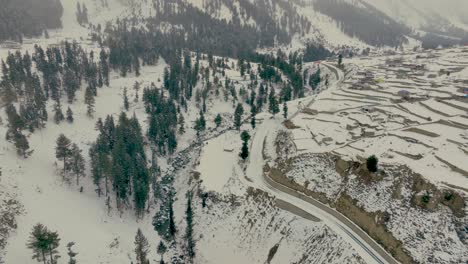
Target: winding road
369 250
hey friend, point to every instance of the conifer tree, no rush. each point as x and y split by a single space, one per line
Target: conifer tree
273 103
136 87
372 163
238 116
104 66
58 115
244 154
181 122
172 226
218 120
76 162
70 115
162 250
21 144
253 112
285 110
125 99
200 123
189 229
71 254
141 248
89 100
44 244
63 150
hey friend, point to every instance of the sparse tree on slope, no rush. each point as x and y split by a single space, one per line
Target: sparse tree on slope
44 244
244 154
238 116
71 253
21 144
218 120
89 100
273 103
70 118
162 250
181 122
63 151
125 99
285 110
372 163
76 162
141 247
58 116
189 229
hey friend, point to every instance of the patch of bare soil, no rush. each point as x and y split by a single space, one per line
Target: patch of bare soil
290 125
374 225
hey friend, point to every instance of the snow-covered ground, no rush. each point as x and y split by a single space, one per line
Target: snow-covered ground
240 225
368 115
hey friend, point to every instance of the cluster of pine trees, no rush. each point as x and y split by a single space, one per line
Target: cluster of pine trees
28 18
70 154
118 161
315 53
63 70
162 131
44 244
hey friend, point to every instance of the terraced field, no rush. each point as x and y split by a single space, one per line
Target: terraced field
406 109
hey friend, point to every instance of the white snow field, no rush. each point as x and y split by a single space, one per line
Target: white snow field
404 108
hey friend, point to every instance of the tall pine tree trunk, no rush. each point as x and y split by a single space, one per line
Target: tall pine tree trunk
107 189
51 257
64 165
43 256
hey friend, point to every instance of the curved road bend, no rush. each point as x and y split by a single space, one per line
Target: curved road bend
369 250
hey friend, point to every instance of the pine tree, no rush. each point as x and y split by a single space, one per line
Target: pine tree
141 247
253 113
21 144
70 115
71 253
76 162
172 226
136 87
38 242
125 99
63 150
238 116
218 120
181 122
189 229
44 244
200 123
244 154
285 110
89 100
162 250
79 13
273 103
58 116
372 163
15 122
104 66
84 14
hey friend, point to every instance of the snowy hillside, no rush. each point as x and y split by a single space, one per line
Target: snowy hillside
233 131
